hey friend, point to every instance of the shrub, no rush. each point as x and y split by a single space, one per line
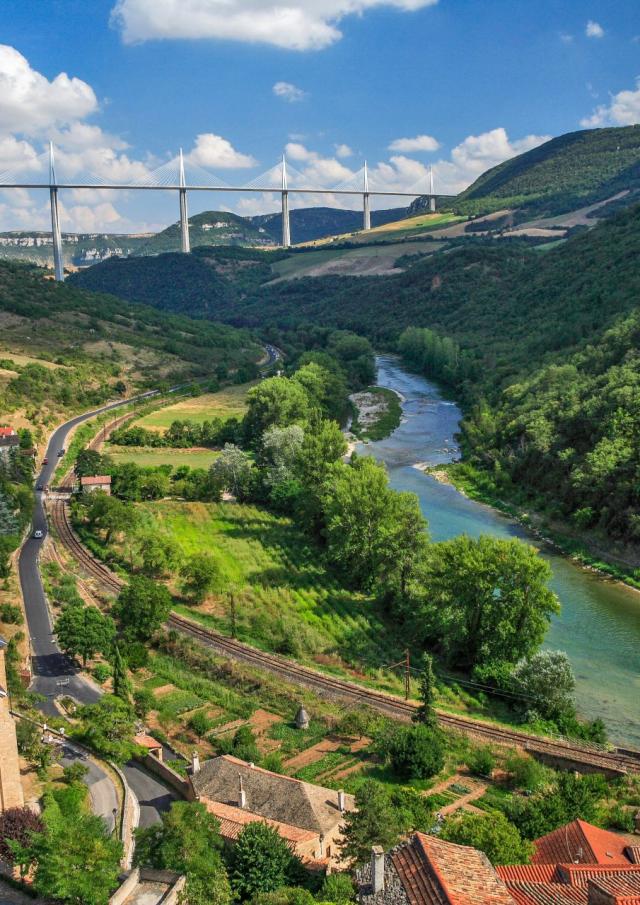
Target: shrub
414 752
526 773
143 702
481 761
11 614
199 723
101 672
337 888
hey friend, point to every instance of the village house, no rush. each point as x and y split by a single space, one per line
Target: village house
96 482
9 440
308 817
577 864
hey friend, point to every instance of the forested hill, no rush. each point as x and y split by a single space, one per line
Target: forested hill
63 349
566 173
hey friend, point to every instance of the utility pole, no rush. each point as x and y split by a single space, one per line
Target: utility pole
286 228
232 609
407 674
55 219
432 197
184 216
366 224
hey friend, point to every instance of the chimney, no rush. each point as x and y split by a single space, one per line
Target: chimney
377 869
242 795
341 802
195 763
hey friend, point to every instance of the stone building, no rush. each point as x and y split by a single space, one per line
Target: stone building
307 816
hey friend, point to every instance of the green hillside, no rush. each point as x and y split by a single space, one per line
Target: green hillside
564 174
530 326
63 349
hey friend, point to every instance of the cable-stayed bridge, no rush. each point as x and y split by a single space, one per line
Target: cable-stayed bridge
283 179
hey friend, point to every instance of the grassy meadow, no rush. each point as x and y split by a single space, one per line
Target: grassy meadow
285 600
152 456
227 403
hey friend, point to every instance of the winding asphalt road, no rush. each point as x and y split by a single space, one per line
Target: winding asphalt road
54 673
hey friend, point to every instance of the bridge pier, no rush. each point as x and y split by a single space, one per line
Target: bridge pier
56 235
184 214
432 197
286 226
366 210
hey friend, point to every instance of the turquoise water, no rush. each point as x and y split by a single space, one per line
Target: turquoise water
599 625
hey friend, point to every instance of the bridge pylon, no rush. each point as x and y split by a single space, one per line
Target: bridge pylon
184 215
432 197
286 226
56 235
366 211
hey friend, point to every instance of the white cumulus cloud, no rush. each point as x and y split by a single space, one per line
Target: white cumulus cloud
288 92
622 110
215 151
30 103
411 145
594 29
343 151
476 154
299 25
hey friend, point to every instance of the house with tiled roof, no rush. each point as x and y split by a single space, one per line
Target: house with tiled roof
91 483
308 817
578 864
429 871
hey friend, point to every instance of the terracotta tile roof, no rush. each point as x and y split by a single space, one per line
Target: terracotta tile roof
583 843
547 894
95 479
270 795
581 874
435 872
146 741
7 432
527 873
233 820
633 853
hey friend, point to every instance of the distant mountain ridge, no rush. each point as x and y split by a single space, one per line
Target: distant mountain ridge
564 174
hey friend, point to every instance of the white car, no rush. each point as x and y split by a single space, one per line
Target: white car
38 533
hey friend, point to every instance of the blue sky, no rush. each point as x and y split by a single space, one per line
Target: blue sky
120 85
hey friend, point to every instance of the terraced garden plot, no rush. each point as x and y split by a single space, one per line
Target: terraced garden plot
227 403
285 600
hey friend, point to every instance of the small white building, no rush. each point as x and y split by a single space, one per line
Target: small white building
96 482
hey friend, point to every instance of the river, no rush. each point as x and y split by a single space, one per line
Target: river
599 624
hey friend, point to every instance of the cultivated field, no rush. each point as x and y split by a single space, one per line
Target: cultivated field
147 456
370 260
227 403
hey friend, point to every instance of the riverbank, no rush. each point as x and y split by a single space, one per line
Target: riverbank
562 537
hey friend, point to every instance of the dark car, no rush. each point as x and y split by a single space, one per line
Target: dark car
39 486
60 453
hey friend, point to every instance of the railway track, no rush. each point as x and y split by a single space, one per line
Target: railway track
617 761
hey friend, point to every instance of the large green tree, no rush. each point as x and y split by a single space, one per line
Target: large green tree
188 841
494 835
276 401
200 572
84 631
487 600
109 727
77 859
141 608
372 532
260 861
